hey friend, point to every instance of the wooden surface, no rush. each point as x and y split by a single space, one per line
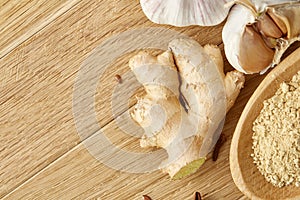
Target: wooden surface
244 171
42 46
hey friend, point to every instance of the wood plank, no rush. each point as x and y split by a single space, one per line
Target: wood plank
245 173
19 20
37 78
78 175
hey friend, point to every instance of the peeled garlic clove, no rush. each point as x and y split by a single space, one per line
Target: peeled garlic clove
185 12
254 54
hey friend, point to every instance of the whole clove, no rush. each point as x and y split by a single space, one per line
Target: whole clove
197 196
146 197
118 78
219 143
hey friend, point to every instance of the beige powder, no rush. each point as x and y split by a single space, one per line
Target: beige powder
276 136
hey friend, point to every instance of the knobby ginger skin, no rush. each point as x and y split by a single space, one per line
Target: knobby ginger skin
196 73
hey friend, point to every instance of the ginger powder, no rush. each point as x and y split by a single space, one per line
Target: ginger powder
276 136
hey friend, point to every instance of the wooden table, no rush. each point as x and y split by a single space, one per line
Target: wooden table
42 46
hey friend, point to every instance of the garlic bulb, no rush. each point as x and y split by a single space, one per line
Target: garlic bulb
255 41
185 12
256 33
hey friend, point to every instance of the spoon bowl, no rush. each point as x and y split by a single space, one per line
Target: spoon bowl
244 172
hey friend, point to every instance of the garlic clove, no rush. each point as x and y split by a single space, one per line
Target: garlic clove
185 12
237 20
276 9
281 25
289 14
254 54
261 5
268 27
250 51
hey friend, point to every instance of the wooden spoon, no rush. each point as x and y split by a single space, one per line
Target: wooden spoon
244 172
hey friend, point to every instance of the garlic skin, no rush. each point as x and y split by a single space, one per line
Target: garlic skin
261 5
288 15
255 41
232 33
185 12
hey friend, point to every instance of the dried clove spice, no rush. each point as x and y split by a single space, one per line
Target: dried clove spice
197 196
118 78
219 143
146 197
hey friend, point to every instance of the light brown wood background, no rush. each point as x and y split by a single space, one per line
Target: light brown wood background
42 45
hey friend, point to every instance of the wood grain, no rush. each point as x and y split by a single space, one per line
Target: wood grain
41 153
78 175
19 20
244 171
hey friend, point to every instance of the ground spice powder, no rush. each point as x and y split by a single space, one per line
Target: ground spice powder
276 136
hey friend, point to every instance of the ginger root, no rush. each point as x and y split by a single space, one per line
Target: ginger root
187 97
